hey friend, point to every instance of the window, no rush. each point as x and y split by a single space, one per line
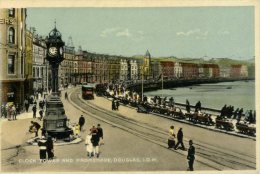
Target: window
11 64
11 35
11 12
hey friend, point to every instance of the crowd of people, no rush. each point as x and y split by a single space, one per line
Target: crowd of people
93 140
238 114
10 110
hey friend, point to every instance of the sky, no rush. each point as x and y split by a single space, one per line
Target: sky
195 32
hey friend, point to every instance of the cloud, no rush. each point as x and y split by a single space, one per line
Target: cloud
196 33
108 32
225 32
124 33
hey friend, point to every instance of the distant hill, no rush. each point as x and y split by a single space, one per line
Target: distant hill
220 61
229 61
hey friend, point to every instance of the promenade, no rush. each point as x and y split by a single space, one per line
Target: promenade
122 151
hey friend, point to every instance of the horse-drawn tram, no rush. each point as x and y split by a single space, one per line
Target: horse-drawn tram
246 128
224 123
202 118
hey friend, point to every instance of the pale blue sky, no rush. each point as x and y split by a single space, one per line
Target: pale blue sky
179 31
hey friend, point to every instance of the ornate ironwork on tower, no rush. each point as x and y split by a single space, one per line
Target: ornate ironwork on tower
55 120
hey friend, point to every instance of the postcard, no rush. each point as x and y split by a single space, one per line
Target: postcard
129 86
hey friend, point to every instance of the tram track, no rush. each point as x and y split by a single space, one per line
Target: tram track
215 157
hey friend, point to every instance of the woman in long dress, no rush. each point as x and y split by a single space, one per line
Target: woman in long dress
89 145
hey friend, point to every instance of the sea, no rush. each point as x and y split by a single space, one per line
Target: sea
240 94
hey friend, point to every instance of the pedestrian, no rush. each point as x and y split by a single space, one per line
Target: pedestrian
81 122
17 108
66 95
14 112
191 155
26 104
180 139
95 141
9 111
41 104
49 148
100 134
77 130
187 106
36 126
34 110
117 104
89 145
41 113
113 104
171 142
42 148
198 106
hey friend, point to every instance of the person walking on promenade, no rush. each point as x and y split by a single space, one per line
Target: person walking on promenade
171 142
113 104
117 104
191 155
66 95
95 141
49 148
187 106
81 122
14 112
34 110
198 106
100 134
41 113
180 139
77 130
42 148
3 110
89 145
35 125
26 104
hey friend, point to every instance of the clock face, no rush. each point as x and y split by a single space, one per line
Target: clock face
52 51
61 50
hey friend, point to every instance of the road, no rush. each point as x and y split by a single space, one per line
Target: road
217 150
133 142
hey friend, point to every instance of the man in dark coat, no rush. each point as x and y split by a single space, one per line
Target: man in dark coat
113 104
95 141
66 95
42 148
26 104
180 139
49 148
100 131
117 104
188 106
37 126
81 122
41 113
191 155
34 110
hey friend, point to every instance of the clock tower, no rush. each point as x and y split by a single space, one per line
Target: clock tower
55 120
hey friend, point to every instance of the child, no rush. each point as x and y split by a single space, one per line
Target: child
77 130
